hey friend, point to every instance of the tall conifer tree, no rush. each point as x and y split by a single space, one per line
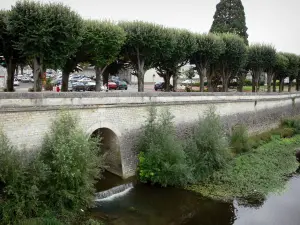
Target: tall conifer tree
230 17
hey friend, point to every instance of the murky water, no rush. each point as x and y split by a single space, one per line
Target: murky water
147 205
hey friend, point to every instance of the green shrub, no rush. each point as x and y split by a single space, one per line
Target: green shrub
162 159
208 148
48 85
239 140
292 123
41 221
20 175
74 164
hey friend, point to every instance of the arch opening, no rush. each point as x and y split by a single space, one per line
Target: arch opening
110 146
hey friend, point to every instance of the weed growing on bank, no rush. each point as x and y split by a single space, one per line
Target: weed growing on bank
53 185
256 173
239 139
162 159
208 147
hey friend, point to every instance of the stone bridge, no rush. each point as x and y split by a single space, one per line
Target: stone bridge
119 117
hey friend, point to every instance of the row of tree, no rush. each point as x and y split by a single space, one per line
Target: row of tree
53 36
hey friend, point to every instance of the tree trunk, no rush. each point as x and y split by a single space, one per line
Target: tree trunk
225 79
274 84
202 73
281 86
22 69
11 67
240 81
209 84
290 85
140 82
17 70
65 81
37 74
269 81
98 80
175 79
297 84
167 78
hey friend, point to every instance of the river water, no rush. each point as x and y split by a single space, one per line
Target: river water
148 205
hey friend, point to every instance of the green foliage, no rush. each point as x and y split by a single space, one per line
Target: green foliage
41 221
103 40
293 123
239 139
48 31
261 57
292 66
230 18
20 178
58 181
162 159
255 173
208 148
74 162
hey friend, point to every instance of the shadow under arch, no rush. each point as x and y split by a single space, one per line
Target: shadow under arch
110 146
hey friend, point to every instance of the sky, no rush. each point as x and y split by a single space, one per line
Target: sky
269 21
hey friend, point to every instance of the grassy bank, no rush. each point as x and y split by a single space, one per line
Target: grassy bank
255 173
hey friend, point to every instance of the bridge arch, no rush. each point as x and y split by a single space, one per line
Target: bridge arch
110 146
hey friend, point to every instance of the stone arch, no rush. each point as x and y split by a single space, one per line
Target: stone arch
110 146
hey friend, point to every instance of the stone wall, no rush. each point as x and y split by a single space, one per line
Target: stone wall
26 117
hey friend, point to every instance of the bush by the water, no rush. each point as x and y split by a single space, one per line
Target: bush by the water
256 173
239 140
162 159
208 147
56 182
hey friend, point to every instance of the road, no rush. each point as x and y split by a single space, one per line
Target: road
131 88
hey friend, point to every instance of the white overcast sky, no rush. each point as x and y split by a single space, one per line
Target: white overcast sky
269 21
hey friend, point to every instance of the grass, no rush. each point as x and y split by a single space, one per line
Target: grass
255 173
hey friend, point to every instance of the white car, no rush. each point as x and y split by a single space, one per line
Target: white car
16 82
85 80
25 79
188 82
19 77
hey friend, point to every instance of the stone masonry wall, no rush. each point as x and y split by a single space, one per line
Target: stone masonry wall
26 117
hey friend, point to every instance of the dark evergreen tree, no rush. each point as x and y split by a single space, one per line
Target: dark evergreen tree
230 17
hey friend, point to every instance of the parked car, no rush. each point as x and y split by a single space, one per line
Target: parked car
78 86
25 79
16 82
70 86
90 86
121 85
188 82
161 86
19 77
85 80
112 85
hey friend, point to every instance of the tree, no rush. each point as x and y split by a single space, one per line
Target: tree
45 33
261 57
230 18
176 48
141 47
209 47
292 68
280 70
10 55
232 59
104 41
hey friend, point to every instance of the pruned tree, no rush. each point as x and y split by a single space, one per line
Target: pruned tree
103 40
176 47
230 18
261 58
141 47
11 56
209 48
280 71
292 68
45 33
232 59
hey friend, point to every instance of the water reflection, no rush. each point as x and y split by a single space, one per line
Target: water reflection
147 205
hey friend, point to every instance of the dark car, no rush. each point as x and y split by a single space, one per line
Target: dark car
78 86
121 85
161 86
90 86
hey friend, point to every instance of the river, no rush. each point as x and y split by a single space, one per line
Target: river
148 205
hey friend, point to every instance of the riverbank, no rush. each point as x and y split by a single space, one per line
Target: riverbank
253 174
